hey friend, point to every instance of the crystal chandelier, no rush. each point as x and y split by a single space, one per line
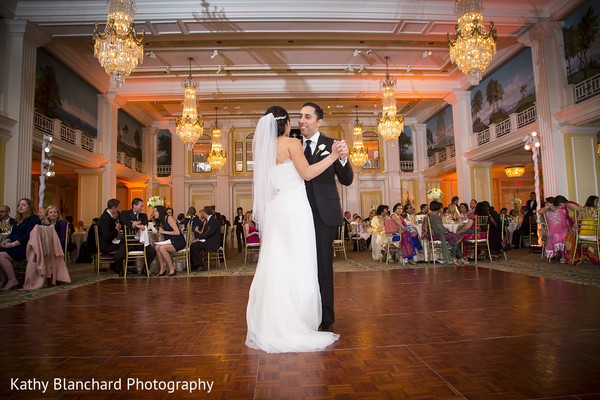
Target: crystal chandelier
359 155
514 172
389 125
189 127
472 48
216 157
118 49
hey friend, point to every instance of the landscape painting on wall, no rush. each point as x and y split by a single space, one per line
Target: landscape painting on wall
440 131
129 138
510 89
60 93
581 33
405 144
163 147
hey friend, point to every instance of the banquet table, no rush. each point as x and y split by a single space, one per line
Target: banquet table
78 238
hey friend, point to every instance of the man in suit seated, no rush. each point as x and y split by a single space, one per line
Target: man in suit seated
209 240
108 230
135 220
524 228
192 218
5 218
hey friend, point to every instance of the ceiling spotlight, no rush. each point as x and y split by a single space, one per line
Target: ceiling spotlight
215 53
167 69
150 54
360 68
409 68
369 52
357 52
426 53
349 68
219 69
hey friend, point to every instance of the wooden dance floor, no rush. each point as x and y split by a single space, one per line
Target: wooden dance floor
425 333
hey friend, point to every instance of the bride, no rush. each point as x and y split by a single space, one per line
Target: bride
284 306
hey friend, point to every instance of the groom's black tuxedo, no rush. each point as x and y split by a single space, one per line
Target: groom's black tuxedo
327 214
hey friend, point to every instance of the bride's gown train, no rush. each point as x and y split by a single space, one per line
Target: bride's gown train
284 308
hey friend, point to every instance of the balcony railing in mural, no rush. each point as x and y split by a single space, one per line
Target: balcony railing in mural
586 89
138 166
407 166
163 170
511 124
129 162
62 133
440 156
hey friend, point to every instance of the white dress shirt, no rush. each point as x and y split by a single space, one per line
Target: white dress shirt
313 146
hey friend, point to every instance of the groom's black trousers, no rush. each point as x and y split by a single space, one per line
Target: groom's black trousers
325 236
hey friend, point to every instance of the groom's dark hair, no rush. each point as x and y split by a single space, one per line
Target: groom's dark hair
279 112
318 110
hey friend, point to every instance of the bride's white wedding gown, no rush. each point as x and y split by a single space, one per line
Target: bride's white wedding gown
284 308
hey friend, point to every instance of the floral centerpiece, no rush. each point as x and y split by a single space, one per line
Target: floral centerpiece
155 201
516 202
434 193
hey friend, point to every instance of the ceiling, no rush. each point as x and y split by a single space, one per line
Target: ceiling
283 52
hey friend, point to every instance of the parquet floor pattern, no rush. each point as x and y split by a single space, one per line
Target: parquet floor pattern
426 333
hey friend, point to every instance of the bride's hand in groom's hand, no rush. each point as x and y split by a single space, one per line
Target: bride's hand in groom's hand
335 150
342 149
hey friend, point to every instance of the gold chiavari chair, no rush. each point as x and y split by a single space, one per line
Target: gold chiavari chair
481 226
183 255
220 253
339 243
587 233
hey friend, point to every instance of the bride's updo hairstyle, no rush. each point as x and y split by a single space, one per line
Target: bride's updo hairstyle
281 116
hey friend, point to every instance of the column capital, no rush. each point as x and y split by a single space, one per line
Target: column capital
539 31
34 34
113 99
457 95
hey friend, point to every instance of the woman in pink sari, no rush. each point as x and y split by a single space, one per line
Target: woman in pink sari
559 223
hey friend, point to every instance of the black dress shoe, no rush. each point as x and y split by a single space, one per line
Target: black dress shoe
199 268
326 327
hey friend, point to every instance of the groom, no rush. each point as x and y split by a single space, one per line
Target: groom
324 200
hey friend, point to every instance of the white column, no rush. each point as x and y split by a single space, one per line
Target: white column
463 130
551 91
23 41
178 173
222 193
108 114
149 153
420 158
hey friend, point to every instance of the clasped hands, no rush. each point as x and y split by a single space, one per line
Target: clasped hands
340 147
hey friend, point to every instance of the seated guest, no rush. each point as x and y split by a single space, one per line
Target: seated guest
495 232
252 235
406 242
108 231
173 240
347 221
201 225
409 211
454 201
370 217
80 227
41 213
463 209
424 209
53 218
13 248
209 240
378 232
360 230
523 229
169 211
181 222
439 232
135 220
88 247
5 219
452 209
590 204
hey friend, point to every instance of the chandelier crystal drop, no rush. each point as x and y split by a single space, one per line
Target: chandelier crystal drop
359 155
472 48
216 157
189 127
118 49
389 124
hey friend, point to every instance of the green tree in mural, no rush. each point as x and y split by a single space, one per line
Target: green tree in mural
586 31
476 103
47 92
404 143
568 37
494 93
164 150
429 135
523 90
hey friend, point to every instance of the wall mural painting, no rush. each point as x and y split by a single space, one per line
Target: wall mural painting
405 144
163 147
60 93
129 139
440 131
581 33
510 89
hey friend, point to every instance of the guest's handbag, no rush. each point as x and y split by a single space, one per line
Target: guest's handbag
390 226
